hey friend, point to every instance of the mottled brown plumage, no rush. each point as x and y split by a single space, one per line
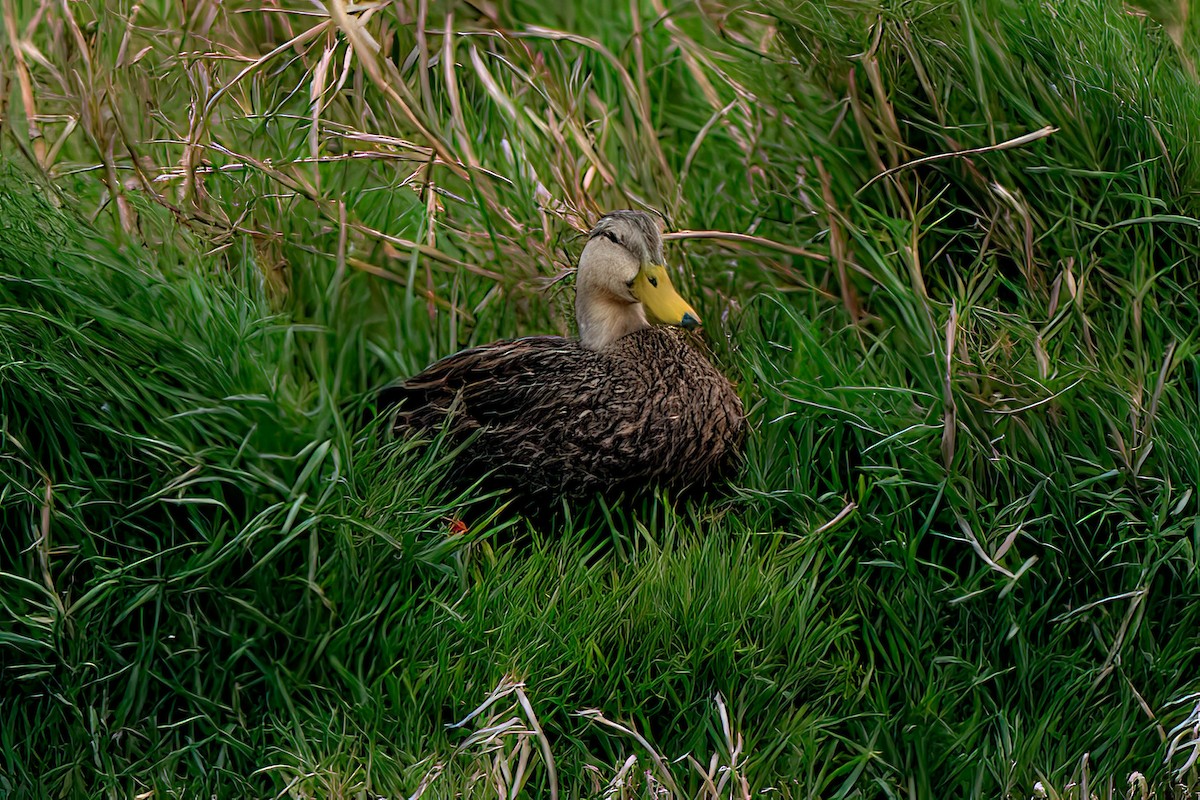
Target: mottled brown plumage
626 407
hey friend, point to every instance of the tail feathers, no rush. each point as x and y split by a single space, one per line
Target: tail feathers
412 407
390 396
394 401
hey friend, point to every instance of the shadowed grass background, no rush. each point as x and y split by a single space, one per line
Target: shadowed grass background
961 560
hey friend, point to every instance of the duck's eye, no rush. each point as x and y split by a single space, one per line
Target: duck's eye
654 282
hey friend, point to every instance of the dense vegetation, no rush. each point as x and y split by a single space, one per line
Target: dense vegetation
947 249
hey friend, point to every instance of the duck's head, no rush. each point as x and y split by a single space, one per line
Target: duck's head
622 284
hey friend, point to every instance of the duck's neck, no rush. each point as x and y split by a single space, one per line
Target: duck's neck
605 319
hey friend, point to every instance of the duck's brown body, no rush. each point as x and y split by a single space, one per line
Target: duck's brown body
555 419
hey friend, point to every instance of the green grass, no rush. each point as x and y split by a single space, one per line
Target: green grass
960 561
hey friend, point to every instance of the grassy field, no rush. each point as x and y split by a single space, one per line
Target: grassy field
948 250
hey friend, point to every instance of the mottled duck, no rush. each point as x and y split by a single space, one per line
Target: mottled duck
630 404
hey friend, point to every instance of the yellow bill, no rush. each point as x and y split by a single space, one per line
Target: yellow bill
663 304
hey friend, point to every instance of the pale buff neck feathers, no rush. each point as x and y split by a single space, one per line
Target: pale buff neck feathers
605 306
621 285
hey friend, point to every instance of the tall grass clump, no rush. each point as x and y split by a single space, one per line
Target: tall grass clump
947 250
